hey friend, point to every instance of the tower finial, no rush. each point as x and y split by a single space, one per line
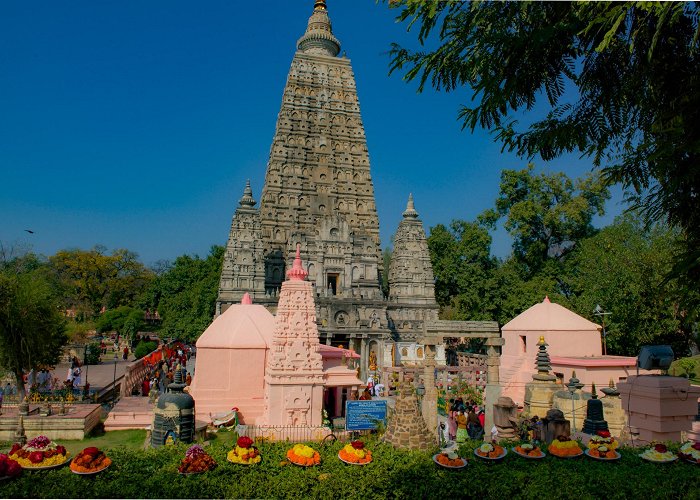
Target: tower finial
410 211
297 272
319 38
247 199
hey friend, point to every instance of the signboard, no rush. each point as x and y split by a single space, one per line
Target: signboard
364 415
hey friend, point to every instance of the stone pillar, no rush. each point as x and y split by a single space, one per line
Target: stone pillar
430 397
493 386
363 359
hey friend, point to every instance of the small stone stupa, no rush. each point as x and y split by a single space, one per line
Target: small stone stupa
595 420
539 392
173 416
406 428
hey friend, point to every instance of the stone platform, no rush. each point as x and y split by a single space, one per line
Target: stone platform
134 412
76 424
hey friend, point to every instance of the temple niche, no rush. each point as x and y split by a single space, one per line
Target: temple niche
318 195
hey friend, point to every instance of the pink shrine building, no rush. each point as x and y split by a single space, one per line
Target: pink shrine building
575 344
272 368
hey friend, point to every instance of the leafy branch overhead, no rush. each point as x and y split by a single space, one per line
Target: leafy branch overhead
621 81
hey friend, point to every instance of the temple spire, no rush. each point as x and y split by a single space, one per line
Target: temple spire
297 272
319 38
410 211
247 199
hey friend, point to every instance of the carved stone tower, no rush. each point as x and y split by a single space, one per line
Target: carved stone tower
318 195
244 264
294 372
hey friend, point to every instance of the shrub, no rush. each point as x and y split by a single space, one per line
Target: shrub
143 348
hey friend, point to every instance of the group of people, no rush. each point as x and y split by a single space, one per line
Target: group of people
465 420
163 374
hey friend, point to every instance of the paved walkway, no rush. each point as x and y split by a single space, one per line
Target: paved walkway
98 376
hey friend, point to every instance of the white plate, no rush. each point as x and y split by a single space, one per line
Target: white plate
353 463
617 456
528 456
505 452
668 461
91 473
464 463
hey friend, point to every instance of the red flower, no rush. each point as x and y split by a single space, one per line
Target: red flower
92 451
358 445
36 457
244 442
13 468
61 449
15 447
660 448
696 445
604 434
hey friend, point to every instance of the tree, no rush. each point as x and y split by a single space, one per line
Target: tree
32 328
622 268
463 266
620 81
90 280
185 294
125 320
547 214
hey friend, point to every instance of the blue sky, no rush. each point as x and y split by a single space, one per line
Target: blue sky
136 124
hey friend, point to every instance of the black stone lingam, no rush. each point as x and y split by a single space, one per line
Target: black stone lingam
595 420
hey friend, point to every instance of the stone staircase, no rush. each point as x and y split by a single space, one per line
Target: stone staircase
134 412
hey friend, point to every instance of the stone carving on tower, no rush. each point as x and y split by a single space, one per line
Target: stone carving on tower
294 372
244 266
318 195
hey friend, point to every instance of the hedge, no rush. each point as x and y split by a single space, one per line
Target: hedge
392 474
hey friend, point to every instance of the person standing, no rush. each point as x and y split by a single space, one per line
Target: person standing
461 427
125 355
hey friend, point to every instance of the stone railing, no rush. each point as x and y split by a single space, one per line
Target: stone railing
133 376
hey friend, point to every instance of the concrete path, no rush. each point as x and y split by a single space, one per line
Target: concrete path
98 376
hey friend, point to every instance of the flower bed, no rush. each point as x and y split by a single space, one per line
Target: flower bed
39 453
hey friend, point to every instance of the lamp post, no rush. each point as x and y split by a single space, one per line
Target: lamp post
114 380
87 369
598 311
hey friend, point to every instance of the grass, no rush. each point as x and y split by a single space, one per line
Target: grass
131 439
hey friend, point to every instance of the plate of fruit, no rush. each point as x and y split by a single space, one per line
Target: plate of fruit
244 453
489 451
449 461
565 447
603 453
90 461
355 453
39 453
196 461
8 468
529 450
690 452
659 454
303 456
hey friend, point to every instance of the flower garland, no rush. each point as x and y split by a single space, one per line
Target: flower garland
355 453
300 454
244 452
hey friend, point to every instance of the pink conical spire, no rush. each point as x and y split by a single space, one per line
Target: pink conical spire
246 300
546 299
297 271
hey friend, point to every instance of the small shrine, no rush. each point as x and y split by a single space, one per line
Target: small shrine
539 392
571 400
505 413
173 416
595 418
406 428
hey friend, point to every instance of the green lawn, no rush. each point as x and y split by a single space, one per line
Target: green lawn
132 439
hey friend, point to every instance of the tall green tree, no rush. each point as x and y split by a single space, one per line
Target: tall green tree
32 327
185 294
90 280
620 81
622 269
547 214
463 267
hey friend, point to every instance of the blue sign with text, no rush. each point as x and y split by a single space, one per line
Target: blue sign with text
364 415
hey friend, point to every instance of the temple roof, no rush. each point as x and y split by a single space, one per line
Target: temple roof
241 326
548 316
